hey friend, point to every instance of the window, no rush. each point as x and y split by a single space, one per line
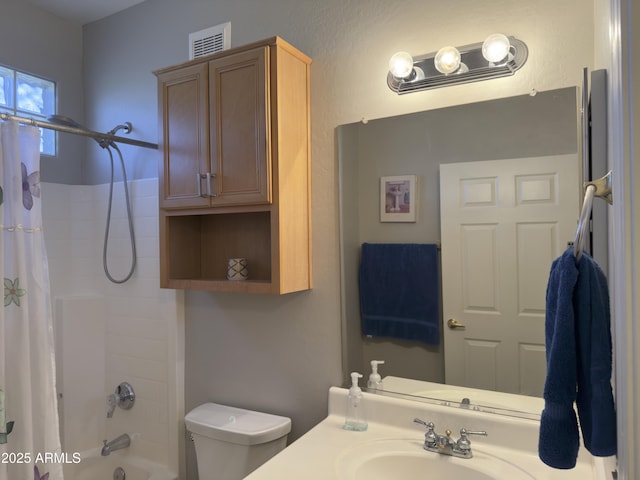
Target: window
29 96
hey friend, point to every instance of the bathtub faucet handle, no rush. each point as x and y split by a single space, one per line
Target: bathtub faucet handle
111 405
124 397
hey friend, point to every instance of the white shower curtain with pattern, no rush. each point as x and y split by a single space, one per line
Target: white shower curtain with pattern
29 433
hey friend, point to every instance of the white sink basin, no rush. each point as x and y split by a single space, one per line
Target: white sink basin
392 447
389 459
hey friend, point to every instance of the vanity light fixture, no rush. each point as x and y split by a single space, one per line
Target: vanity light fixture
497 56
447 60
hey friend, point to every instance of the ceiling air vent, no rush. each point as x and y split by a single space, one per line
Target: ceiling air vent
210 40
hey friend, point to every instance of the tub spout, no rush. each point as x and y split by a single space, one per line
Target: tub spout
123 441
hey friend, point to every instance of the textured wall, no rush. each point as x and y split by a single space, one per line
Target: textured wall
281 354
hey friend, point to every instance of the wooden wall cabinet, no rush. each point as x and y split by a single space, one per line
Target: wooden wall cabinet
235 176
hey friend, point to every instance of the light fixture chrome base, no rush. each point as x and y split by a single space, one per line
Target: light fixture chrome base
477 69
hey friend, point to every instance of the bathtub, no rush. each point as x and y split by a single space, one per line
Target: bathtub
93 466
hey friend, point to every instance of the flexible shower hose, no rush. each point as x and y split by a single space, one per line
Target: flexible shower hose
108 148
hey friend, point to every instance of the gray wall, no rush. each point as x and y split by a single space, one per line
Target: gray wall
41 44
416 144
281 354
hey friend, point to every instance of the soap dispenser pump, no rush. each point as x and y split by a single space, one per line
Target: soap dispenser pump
355 419
375 381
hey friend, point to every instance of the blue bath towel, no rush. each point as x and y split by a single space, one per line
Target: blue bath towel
596 409
558 442
399 293
578 348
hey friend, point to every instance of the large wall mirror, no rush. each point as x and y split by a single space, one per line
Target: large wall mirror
522 128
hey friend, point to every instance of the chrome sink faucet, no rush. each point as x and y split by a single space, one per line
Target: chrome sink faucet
444 444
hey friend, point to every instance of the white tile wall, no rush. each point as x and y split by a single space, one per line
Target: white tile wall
81 358
143 332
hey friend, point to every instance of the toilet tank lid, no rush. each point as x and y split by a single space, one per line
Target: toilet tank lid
236 425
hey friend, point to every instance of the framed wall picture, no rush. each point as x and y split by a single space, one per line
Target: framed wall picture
398 198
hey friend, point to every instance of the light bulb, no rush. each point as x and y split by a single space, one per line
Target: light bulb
401 65
447 60
496 47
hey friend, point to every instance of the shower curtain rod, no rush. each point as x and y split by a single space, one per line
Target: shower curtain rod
78 131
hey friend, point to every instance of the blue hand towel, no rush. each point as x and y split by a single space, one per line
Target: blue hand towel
558 441
399 294
578 343
596 409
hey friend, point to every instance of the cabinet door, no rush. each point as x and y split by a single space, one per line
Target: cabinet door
240 128
183 98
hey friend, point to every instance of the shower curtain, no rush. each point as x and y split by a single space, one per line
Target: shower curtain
29 434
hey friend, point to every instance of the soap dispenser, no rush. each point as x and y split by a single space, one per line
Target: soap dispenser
375 381
355 419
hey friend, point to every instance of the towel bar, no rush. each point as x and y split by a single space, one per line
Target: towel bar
597 188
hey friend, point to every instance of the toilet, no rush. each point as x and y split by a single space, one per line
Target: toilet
231 442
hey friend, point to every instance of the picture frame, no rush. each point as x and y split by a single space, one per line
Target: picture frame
398 198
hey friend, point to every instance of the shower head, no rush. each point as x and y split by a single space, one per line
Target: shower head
70 122
66 121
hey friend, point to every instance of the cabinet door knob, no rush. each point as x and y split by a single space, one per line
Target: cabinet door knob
199 183
207 176
210 192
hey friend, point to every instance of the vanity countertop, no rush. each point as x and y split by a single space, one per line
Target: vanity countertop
321 453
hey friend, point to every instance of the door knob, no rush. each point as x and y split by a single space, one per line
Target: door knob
454 324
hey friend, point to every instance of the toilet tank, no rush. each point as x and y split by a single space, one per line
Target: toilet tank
232 442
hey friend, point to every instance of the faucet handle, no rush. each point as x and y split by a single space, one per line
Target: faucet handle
463 443
125 395
111 404
465 432
429 425
430 438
